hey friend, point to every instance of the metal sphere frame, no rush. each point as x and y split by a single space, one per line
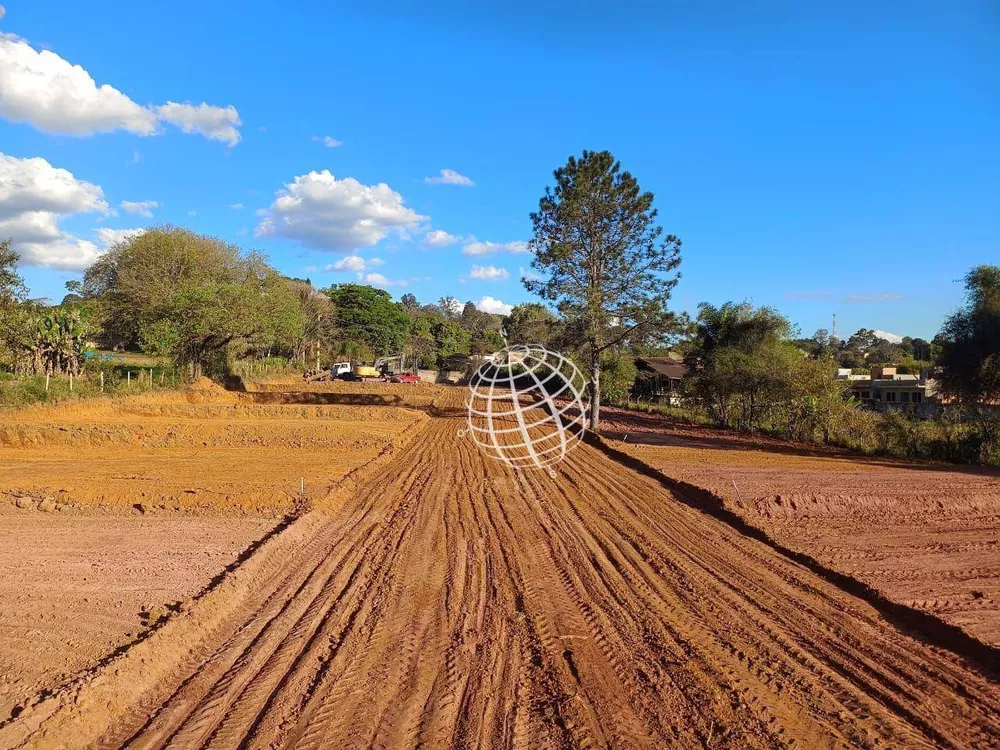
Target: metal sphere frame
496 382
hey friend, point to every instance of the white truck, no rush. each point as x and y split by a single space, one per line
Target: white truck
340 370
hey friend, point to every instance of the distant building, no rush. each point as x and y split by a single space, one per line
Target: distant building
659 379
884 389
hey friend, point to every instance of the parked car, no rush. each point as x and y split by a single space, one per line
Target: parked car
405 377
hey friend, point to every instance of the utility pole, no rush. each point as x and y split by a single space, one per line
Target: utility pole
833 331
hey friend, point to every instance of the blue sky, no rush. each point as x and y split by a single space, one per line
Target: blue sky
841 159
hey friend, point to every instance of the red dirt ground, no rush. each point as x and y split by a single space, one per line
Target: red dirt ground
73 584
926 535
443 600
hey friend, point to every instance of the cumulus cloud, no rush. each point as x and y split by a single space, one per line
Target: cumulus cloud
40 88
236 206
110 237
490 248
892 338
325 213
142 208
348 263
492 305
327 140
354 263
489 273
449 177
377 279
439 238
34 197
215 123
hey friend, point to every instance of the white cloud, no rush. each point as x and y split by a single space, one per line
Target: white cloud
325 213
439 238
327 140
35 185
142 208
215 123
42 89
527 274
892 338
377 279
109 237
348 263
489 248
34 197
449 177
354 263
236 206
489 273
493 305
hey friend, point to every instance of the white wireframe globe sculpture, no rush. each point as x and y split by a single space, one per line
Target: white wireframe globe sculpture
526 407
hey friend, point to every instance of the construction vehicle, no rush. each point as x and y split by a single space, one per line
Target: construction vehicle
365 372
340 370
394 364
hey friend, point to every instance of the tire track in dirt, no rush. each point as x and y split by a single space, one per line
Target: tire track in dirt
452 603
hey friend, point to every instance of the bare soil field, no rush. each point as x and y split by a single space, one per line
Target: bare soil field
443 600
926 535
76 586
204 449
115 512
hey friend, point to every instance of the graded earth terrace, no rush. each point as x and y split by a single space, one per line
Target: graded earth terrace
433 597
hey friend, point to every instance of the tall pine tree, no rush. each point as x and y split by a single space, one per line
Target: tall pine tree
603 259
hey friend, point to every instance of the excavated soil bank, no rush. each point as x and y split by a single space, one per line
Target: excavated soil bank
925 535
205 450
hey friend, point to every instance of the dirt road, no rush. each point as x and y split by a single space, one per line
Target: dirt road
453 603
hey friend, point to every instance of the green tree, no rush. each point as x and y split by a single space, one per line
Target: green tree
970 353
196 298
368 315
12 289
450 340
618 373
16 314
602 258
741 362
531 323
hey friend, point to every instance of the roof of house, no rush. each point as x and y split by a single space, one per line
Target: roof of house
671 366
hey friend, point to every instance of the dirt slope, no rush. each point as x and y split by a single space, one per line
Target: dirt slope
927 535
452 603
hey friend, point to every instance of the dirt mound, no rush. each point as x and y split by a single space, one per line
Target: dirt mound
205 385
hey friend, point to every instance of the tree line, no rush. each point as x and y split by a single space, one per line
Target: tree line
604 271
